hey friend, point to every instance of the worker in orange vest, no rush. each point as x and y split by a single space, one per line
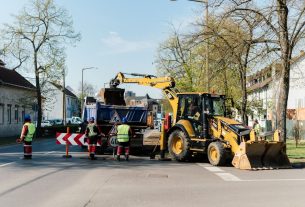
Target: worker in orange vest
27 134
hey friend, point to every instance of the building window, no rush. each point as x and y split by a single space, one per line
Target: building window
9 114
22 114
16 114
1 113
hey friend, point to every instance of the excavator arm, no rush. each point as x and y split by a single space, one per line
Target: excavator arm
166 84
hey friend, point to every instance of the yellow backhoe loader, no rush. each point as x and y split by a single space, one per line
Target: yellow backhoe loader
201 125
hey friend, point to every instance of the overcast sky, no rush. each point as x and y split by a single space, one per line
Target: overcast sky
117 36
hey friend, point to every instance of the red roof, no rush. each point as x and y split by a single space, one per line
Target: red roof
13 78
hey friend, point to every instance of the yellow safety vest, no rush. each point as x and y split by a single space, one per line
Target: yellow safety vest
91 130
31 130
123 133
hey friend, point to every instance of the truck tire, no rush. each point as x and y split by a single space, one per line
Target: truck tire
216 154
179 145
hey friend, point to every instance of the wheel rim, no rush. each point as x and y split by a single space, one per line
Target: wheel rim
213 154
177 145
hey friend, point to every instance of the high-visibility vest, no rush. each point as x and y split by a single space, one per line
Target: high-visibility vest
91 130
31 130
123 133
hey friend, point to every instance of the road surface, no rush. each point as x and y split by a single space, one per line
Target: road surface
50 180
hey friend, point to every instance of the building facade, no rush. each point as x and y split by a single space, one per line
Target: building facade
54 109
264 89
17 98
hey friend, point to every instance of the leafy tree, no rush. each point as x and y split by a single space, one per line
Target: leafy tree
37 39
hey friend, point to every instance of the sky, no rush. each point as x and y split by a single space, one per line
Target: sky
117 36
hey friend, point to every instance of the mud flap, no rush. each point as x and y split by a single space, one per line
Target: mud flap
261 155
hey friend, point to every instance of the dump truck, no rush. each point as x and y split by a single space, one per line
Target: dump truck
201 125
110 110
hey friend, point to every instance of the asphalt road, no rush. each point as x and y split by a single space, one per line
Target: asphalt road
50 180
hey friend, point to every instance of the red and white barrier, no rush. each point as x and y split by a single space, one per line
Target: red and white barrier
73 139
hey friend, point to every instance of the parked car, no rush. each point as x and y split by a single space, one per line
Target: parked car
57 121
47 123
74 120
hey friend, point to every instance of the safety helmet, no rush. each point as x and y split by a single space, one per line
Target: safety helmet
124 120
91 119
27 117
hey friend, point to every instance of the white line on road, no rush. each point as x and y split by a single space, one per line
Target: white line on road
214 169
210 167
6 164
219 172
228 177
49 152
275 180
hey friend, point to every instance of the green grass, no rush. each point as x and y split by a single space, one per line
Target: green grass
296 154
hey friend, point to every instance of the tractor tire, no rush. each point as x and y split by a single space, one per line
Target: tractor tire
216 154
179 145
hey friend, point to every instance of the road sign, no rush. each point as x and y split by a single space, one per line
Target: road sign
113 141
73 139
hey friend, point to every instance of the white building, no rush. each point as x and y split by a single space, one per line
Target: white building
17 98
263 91
54 109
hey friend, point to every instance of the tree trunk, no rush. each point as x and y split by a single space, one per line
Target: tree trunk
286 49
38 92
244 117
225 81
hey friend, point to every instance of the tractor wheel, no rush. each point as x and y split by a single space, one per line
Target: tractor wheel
216 154
179 145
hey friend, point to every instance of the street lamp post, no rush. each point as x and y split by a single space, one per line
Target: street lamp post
64 115
207 45
82 94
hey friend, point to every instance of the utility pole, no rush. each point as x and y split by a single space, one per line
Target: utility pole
64 115
207 46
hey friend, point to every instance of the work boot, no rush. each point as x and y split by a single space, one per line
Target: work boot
118 158
127 157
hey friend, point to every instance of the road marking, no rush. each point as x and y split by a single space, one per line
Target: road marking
228 177
214 169
232 178
49 152
210 167
6 164
219 172
275 180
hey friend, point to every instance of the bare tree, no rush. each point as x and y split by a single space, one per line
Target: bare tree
88 90
40 32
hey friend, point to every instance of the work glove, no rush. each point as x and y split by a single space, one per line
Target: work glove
19 140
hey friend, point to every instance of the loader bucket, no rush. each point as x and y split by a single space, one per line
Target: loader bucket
275 157
261 155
